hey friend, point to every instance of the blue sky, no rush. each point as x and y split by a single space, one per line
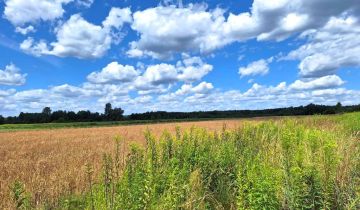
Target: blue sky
165 55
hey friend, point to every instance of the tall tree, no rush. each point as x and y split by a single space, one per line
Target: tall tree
338 107
46 115
2 120
108 109
47 111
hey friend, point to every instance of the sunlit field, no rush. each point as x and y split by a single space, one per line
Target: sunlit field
275 163
51 162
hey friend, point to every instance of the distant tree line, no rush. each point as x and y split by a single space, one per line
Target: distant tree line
117 114
310 109
47 116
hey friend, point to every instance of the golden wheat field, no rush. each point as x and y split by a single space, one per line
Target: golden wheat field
51 163
281 162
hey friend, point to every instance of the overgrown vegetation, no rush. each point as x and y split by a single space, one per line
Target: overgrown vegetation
268 165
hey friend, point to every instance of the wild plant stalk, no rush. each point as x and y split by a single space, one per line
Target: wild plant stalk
117 163
108 176
89 173
20 197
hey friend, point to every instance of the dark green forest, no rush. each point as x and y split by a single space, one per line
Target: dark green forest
117 114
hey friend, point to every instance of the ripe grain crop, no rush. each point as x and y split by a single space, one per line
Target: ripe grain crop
274 163
51 163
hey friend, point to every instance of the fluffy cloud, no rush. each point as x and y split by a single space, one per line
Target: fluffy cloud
202 89
81 39
157 75
152 79
20 12
11 75
117 17
26 30
85 3
263 91
259 67
330 48
193 69
167 30
190 69
277 20
68 91
328 93
35 48
114 73
99 90
325 82
164 30
8 92
27 96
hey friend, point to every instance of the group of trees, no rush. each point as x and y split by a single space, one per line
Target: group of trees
310 109
117 114
2 120
111 114
46 116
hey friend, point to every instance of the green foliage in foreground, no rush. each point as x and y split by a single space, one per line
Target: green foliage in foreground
270 165
351 122
20 197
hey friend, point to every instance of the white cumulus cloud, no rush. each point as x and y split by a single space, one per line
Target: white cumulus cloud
81 39
114 73
25 30
164 30
85 3
190 69
204 88
325 82
11 75
167 30
259 67
20 12
330 48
